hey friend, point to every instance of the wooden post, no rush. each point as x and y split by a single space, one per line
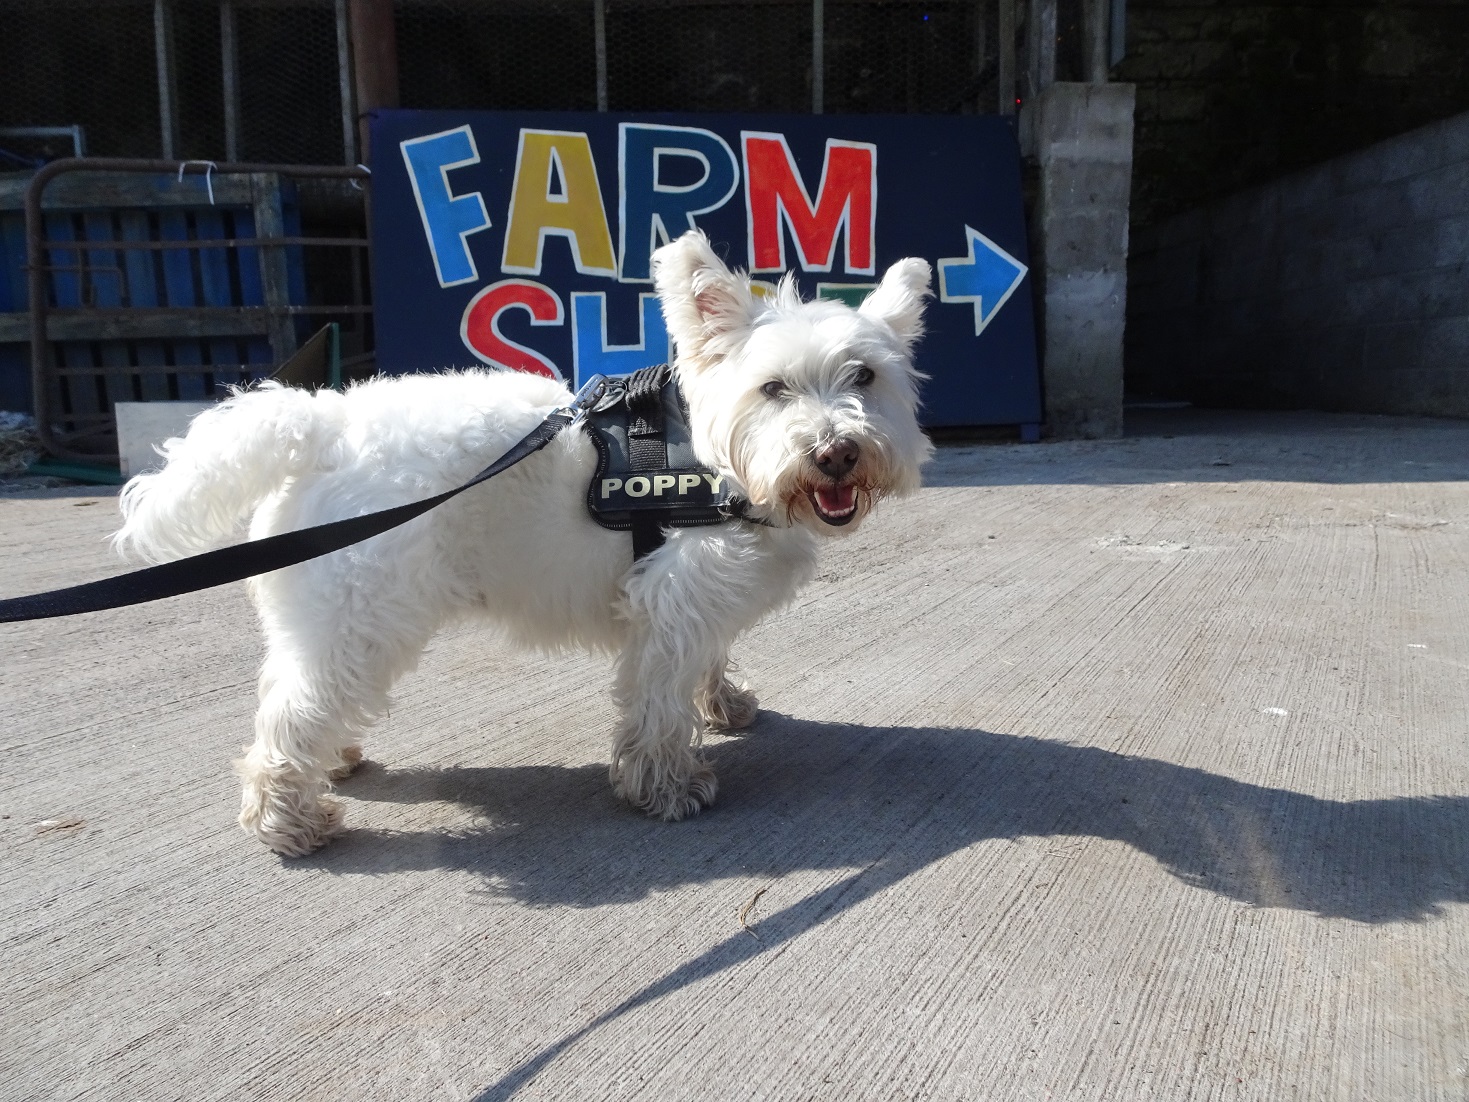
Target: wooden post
375 61
270 221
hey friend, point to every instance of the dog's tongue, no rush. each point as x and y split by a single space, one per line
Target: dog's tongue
836 500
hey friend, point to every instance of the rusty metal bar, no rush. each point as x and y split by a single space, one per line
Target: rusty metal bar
1006 58
1095 26
37 248
166 62
346 93
198 243
229 68
818 57
374 62
599 39
254 370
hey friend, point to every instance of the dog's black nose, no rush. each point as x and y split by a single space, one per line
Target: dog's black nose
837 458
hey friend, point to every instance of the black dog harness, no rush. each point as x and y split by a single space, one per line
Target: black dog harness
648 478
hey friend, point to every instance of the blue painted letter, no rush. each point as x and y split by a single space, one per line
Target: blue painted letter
447 218
591 353
655 211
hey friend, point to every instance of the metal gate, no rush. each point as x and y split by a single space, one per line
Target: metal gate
147 280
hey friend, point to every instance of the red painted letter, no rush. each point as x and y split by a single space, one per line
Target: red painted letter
774 191
480 326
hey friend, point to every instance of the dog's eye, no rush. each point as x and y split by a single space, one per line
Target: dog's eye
773 389
864 376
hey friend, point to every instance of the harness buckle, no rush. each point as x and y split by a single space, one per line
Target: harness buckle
592 392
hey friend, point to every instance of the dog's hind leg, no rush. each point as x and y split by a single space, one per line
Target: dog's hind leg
303 730
314 708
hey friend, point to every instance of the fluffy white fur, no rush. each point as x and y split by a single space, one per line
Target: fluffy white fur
807 408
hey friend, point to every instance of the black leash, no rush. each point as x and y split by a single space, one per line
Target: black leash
244 560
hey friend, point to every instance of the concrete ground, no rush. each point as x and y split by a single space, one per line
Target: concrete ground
1130 770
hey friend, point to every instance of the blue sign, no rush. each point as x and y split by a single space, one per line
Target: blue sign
522 239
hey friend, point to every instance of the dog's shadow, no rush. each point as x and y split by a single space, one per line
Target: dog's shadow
796 794
887 802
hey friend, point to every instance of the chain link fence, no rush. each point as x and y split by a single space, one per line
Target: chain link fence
64 62
510 54
933 58
262 80
663 55
251 80
290 89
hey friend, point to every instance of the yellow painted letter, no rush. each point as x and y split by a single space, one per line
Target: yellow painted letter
556 192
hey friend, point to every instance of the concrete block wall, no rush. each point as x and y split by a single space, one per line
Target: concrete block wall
1081 138
1343 287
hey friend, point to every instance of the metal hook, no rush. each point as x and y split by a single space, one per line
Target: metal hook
354 183
210 166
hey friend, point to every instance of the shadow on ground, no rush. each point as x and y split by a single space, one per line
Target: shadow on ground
797 794
887 802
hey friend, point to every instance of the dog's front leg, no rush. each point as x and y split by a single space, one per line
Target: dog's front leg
657 765
723 704
684 607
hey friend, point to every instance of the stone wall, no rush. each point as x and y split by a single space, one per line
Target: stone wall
1232 93
1344 287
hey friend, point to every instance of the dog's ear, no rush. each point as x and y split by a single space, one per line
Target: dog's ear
702 299
899 299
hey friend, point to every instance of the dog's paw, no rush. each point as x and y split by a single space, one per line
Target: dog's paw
669 799
702 787
351 759
729 708
292 826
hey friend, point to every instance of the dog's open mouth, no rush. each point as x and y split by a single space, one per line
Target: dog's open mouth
836 505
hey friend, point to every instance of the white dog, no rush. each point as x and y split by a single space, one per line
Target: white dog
806 408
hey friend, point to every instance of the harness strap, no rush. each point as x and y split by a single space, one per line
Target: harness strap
244 560
647 449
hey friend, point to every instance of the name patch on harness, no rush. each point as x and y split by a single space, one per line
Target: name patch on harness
652 488
668 489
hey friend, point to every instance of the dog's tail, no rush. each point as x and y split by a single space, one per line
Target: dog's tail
232 457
